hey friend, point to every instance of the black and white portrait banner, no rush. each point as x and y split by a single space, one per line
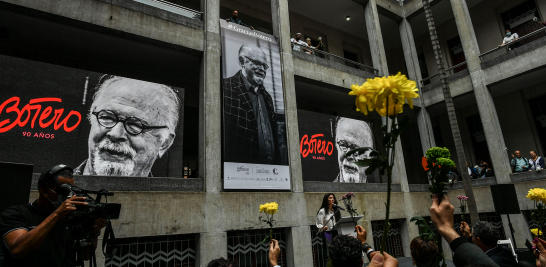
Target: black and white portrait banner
254 130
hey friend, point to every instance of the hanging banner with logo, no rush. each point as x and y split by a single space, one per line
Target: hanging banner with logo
324 139
254 131
96 123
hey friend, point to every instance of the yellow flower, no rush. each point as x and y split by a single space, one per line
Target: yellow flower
374 93
365 96
536 232
537 194
270 208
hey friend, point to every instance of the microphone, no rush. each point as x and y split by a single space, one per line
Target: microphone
336 206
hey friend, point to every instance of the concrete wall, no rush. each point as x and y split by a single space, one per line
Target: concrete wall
516 128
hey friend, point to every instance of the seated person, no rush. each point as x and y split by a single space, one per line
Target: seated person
235 19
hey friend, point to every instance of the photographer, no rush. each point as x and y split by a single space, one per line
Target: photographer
37 234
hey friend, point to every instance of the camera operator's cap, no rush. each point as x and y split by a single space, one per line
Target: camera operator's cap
42 181
298 34
58 168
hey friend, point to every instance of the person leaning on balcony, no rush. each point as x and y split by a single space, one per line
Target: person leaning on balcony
535 161
297 42
518 163
308 42
510 37
235 19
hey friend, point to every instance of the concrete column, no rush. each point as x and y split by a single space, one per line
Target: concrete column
486 106
414 73
211 246
210 94
375 38
299 247
408 231
281 29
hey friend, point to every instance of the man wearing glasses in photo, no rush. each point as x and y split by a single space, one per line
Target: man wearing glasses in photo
250 123
133 123
351 134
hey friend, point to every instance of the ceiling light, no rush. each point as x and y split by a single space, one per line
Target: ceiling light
348 18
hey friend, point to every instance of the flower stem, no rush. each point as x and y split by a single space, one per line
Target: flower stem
386 228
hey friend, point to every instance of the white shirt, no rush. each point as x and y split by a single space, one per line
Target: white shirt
510 39
300 42
323 217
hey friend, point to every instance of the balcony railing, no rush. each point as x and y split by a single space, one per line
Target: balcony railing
505 48
174 8
436 77
338 59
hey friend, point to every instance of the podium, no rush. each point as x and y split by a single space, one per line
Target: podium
345 226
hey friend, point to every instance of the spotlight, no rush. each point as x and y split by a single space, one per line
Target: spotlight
348 18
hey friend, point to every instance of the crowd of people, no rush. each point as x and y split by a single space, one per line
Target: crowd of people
476 247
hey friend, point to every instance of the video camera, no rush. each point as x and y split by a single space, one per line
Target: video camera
81 221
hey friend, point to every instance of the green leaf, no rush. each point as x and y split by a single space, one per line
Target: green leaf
358 150
364 162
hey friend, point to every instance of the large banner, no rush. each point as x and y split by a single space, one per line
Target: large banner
324 140
255 149
96 123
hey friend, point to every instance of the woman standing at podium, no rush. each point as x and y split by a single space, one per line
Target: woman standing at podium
327 217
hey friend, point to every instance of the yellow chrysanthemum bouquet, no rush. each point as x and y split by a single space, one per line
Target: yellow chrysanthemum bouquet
538 195
269 209
386 96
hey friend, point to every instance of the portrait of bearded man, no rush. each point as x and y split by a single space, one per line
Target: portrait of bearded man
351 134
133 123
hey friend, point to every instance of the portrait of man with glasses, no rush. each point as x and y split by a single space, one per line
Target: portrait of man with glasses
351 134
250 122
133 123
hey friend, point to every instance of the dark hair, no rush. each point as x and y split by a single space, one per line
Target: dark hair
221 262
487 234
48 181
345 251
423 252
324 206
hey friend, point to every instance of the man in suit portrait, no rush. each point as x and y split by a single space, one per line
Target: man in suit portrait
250 122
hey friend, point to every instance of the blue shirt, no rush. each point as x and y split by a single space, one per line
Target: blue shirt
519 163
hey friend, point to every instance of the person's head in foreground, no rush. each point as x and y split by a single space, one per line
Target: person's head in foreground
484 235
351 134
345 251
422 252
221 262
133 124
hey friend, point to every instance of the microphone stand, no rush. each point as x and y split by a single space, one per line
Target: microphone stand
321 230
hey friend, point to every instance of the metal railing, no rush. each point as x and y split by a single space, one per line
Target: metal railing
320 256
246 247
174 250
436 77
172 7
394 237
507 47
338 59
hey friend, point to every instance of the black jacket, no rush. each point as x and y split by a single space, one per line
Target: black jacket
502 256
466 254
240 123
